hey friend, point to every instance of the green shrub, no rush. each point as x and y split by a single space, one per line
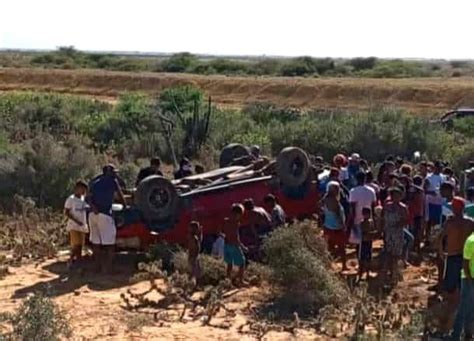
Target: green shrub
179 62
305 66
396 69
299 260
266 67
213 270
301 66
229 67
363 63
46 170
39 318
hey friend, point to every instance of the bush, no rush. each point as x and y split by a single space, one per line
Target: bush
179 62
396 69
363 63
229 67
305 66
39 318
299 260
31 232
301 66
213 270
47 170
266 67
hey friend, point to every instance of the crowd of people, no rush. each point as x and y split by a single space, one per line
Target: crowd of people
409 207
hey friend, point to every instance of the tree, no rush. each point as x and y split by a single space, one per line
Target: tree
179 62
183 106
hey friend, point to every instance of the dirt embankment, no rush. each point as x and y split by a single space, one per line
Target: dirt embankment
428 95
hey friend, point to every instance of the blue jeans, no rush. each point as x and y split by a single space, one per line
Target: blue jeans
465 314
408 244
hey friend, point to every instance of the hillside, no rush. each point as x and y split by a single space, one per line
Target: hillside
421 95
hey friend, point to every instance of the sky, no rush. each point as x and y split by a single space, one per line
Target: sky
321 28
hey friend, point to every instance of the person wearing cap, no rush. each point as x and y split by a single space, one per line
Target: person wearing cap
456 230
102 191
185 169
394 220
353 168
152 169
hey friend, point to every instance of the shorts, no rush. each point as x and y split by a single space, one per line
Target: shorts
233 255
77 238
365 251
102 229
452 273
337 237
434 213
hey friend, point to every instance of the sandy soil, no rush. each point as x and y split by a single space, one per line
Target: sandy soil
96 310
425 95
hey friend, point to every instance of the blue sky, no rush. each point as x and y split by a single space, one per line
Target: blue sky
336 28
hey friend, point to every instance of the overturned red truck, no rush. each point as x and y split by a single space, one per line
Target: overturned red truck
163 209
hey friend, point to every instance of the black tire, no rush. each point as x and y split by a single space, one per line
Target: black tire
293 166
157 199
230 152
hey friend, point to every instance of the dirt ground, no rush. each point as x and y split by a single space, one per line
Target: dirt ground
96 311
430 96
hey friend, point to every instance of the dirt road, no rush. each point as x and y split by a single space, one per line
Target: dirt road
427 95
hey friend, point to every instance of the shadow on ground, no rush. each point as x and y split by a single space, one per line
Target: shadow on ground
71 280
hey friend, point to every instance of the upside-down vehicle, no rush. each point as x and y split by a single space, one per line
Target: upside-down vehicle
163 209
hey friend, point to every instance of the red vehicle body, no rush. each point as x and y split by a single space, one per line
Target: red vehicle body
209 206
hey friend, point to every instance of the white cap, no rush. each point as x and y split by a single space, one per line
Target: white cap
354 157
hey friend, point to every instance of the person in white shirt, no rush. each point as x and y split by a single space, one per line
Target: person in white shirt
436 178
361 196
75 210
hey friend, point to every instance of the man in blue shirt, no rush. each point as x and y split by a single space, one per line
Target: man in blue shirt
101 223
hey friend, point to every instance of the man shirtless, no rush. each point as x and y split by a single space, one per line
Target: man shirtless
233 247
260 222
456 231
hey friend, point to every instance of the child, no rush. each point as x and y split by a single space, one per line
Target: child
194 248
219 243
75 210
233 248
365 248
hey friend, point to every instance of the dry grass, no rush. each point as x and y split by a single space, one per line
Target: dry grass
420 95
31 233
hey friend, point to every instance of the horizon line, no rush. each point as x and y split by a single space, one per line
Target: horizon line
132 53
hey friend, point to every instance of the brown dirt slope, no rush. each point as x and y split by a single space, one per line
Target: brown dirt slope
419 95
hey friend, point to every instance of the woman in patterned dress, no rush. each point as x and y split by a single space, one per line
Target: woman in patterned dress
394 220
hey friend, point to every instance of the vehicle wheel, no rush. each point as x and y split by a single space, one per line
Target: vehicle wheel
157 199
230 152
293 166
